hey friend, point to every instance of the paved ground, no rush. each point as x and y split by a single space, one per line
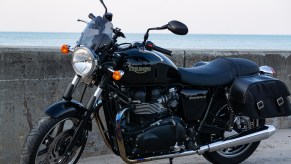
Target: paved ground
276 149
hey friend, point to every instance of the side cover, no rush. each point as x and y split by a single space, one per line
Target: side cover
260 97
194 103
161 136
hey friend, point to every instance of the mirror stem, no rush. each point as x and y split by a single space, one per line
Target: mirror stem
104 6
162 28
146 35
80 20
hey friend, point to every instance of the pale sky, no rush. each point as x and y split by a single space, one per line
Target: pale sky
135 16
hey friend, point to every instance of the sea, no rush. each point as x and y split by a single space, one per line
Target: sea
190 41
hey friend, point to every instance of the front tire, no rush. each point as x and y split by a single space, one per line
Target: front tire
47 141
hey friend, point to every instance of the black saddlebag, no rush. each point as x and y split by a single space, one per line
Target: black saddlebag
260 97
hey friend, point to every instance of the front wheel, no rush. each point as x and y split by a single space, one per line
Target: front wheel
48 140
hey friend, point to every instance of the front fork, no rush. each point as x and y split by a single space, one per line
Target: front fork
71 87
91 106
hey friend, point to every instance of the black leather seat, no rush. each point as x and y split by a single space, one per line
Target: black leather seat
221 71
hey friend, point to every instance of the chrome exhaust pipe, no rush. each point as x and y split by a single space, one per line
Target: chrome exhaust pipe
265 133
258 135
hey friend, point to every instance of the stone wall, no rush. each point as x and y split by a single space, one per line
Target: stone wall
33 78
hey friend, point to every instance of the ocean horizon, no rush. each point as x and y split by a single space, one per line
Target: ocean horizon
189 41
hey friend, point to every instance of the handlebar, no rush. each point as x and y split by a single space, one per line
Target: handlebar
151 46
91 16
162 50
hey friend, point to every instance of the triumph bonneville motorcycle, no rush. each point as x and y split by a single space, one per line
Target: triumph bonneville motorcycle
154 110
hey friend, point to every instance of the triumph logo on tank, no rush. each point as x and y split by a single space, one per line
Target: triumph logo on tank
139 70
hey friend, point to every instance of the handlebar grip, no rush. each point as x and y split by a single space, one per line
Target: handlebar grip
91 16
162 50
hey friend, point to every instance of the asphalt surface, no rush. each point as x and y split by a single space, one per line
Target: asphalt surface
276 149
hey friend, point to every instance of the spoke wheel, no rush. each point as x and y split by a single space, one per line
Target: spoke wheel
48 141
235 154
56 151
242 123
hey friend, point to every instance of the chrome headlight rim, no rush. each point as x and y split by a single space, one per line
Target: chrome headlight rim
93 61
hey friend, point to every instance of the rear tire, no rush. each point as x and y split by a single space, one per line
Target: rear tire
218 158
231 155
48 139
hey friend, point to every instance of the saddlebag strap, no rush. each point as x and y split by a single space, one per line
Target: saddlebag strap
279 101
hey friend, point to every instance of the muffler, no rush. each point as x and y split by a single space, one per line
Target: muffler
248 137
258 135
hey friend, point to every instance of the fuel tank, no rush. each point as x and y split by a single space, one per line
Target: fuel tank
143 67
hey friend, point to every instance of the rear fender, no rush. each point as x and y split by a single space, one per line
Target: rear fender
267 70
63 107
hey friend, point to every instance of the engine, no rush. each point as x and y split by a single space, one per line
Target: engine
150 127
150 103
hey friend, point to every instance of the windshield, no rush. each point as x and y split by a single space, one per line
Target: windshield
97 35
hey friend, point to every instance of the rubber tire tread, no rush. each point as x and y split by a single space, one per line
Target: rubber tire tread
36 136
215 158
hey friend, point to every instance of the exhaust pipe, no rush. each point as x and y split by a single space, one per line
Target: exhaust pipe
242 139
250 137
261 134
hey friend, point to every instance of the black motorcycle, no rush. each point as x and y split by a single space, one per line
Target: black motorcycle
154 110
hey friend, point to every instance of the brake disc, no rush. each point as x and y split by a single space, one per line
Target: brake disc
56 151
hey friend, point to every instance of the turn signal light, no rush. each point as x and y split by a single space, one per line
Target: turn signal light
117 75
65 49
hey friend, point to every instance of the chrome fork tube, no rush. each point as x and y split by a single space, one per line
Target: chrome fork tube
93 102
97 95
84 120
70 89
76 80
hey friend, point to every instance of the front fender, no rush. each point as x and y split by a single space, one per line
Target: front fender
63 107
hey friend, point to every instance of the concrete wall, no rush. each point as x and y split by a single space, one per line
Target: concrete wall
33 78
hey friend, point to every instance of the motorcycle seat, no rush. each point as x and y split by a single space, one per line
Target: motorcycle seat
221 71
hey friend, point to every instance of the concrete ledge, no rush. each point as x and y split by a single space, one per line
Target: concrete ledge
33 78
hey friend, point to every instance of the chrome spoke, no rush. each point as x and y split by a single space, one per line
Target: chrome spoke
61 128
50 138
53 144
243 124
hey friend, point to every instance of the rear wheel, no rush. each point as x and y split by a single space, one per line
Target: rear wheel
47 142
235 154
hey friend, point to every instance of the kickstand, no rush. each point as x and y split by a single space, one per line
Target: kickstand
171 160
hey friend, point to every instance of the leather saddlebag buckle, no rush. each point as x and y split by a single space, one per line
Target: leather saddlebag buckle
260 105
280 101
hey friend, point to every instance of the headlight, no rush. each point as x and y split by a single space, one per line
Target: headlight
83 61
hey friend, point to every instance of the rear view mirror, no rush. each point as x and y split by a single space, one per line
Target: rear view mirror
174 26
177 27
